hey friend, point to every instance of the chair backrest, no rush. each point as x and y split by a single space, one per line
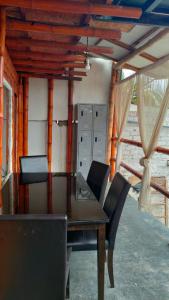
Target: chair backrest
33 257
113 205
97 179
34 164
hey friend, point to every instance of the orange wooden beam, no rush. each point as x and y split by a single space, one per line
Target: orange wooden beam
63 29
50 121
40 45
40 71
25 115
70 127
75 7
47 64
57 77
2 50
46 56
32 70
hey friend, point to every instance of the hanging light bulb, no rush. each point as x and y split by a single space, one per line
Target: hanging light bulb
87 67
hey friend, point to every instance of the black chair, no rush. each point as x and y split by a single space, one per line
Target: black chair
97 179
34 164
113 206
33 251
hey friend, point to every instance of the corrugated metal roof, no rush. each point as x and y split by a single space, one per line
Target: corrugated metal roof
153 8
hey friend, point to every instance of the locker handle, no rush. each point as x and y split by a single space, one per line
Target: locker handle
80 163
95 139
81 139
96 113
82 113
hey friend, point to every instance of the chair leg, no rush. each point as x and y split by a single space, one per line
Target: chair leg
68 287
110 267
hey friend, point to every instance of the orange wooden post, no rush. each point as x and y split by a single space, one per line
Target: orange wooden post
111 152
6 104
70 127
20 123
2 50
50 121
49 191
113 147
25 115
14 130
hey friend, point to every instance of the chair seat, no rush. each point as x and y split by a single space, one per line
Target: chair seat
83 240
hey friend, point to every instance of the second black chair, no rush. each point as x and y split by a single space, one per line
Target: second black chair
113 206
97 179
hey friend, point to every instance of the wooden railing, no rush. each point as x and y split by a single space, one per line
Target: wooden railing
139 144
138 174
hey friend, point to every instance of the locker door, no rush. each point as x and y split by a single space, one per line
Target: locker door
100 117
85 143
84 165
85 117
99 146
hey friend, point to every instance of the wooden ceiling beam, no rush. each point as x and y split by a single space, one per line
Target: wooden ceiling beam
33 69
45 56
18 43
75 7
46 76
63 30
47 64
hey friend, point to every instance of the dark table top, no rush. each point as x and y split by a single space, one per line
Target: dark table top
52 193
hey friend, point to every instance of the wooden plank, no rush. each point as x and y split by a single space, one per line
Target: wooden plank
48 64
18 43
70 127
50 71
57 77
2 50
63 29
72 7
50 121
46 56
25 115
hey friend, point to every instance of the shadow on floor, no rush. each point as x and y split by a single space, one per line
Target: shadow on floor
141 261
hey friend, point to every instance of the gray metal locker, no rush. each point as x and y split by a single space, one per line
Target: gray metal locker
91 135
99 117
85 143
99 145
85 117
84 165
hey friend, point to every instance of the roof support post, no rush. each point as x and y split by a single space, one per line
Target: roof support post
50 121
70 127
20 122
25 115
14 132
111 152
2 50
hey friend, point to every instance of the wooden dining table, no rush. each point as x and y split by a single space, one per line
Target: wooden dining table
58 193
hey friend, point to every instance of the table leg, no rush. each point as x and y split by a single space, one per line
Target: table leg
101 260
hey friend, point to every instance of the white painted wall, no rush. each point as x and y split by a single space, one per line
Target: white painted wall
92 89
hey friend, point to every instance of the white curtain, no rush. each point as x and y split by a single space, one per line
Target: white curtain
153 101
123 95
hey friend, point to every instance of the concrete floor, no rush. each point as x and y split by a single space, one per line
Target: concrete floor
141 261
